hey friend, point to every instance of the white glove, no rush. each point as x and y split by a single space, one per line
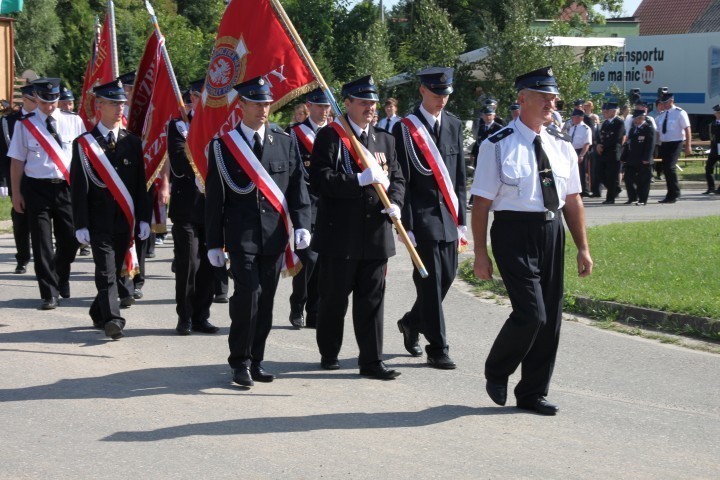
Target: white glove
392 211
216 257
144 232
3 192
83 236
372 175
411 236
302 239
462 232
199 185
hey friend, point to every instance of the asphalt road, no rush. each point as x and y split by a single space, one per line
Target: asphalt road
74 404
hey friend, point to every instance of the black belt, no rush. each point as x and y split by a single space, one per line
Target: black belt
513 216
48 180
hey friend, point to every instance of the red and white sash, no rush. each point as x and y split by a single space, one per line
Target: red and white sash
305 135
252 167
432 156
49 144
99 161
369 156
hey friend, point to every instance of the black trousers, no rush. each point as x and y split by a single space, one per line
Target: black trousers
530 258
47 206
709 173
670 153
594 172
305 292
220 280
611 178
426 315
637 182
21 233
127 284
582 168
108 255
193 273
365 279
255 278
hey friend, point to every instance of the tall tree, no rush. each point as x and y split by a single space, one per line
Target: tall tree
37 32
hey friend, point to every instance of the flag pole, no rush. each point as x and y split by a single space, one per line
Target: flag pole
113 40
287 23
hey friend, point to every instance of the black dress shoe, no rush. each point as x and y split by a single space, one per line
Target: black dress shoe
84 251
379 371
608 202
709 191
50 303
204 327
630 202
667 200
221 298
127 302
258 373
242 377
20 268
183 328
150 255
64 290
329 363
443 362
113 330
297 319
137 294
411 339
541 406
497 392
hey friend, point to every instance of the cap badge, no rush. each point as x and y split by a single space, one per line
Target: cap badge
119 84
371 81
443 78
261 81
550 72
49 85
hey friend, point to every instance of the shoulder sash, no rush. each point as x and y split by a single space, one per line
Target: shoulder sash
49 145
370 157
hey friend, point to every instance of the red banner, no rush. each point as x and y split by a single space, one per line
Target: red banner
98 72
243 51
143 89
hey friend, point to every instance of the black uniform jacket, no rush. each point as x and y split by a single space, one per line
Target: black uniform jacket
305 164
611 136
94 207
641 144
424 209
187 204
7 127
350 223
247 222
483 132
714 128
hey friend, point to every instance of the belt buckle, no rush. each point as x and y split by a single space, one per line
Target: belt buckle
549 215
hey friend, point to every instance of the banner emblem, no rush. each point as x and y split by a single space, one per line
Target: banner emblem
227 68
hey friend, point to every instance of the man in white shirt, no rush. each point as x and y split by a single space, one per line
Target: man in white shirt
581 138
391 117
673 129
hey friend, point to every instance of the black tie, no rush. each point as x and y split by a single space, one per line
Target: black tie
667 114
363 138
436 131
50 122
257 146
547 182
111 141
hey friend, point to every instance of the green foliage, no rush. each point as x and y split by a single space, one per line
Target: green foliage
370 52
37 32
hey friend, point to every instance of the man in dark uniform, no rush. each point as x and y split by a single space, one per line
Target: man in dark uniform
487 127
433 217
612 138
531 175
41 150
713 157
305 294
639 160
353 232
109 199
254 187
194 275
20 221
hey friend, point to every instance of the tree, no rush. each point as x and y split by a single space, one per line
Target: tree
369 52
37 32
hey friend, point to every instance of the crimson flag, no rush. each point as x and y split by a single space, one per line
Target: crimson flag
144 82
251 42
98 72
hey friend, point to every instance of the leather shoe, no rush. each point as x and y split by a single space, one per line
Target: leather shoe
50 303
630 202
443 362
64 289
127 302
297 319
411 339
221 298
137 294
84 251
113 330
329 363
667 200
20 268
242 377
497 392
204 327
709 191
183 328
608 202
379 371
259 374
541 406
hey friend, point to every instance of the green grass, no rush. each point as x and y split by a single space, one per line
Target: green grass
5 206
692 171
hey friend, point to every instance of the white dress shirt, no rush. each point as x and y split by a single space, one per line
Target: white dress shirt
250 133
677 122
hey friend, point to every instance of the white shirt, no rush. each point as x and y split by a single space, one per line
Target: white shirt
677 122
315 126
629 122
359 130
25 148
250 133
388 123
431 119
515 183
104 131
580 135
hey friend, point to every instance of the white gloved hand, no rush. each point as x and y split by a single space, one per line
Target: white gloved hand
83 236
372 175
217 257
199 185
302 239
144 232
392 211
411 236
462 232
3 192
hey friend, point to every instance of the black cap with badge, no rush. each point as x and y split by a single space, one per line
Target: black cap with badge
317 97
128 79
255 90
666 96
28 91
66 95
438 80
363 89
540 80
514 106
610 105
716 108
47 89
638 112
488 111
578 113
112 91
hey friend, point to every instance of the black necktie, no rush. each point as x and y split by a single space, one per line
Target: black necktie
111 141
436 131
50 122
547 182
664 130
363 138
257 146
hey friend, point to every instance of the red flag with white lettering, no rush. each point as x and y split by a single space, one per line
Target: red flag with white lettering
246 46
144 84
98 72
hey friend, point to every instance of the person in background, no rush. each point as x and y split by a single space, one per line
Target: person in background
300 113
581 138
673 131
612 138
391 116
713 156
639 158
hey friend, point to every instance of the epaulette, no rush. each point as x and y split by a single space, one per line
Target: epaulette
277 130
452 114
23 117
67 112
505 132
553 130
